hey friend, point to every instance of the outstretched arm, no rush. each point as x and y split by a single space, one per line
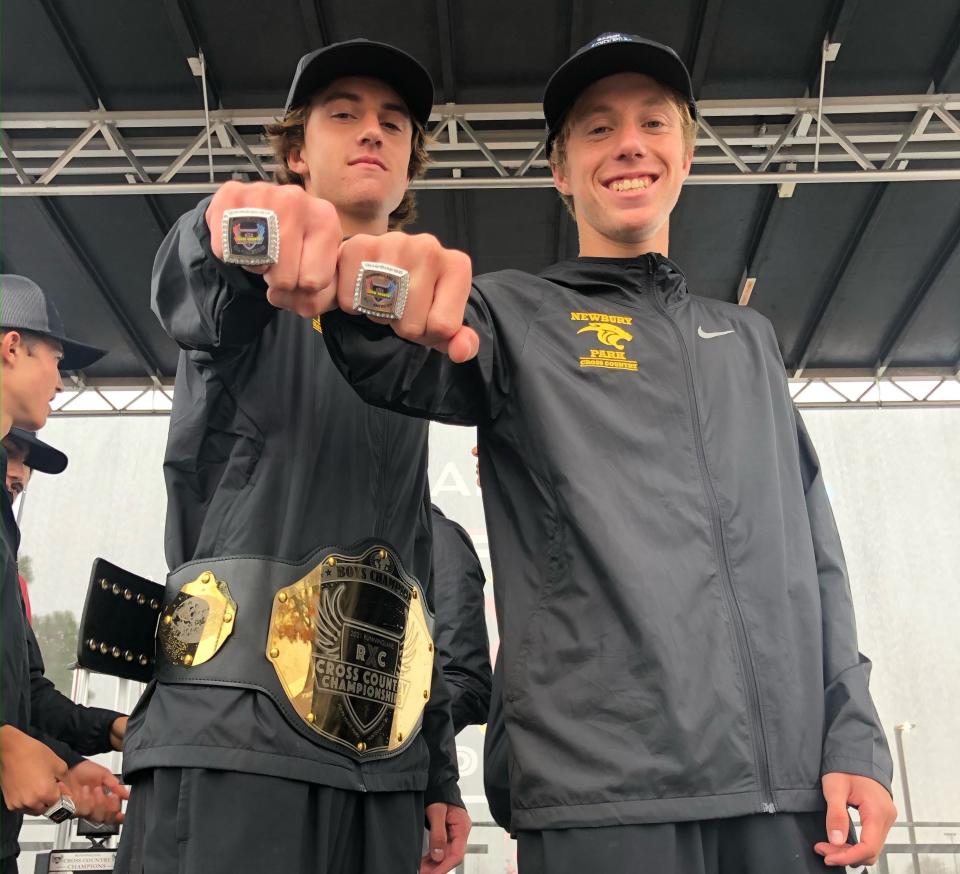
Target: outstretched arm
217 308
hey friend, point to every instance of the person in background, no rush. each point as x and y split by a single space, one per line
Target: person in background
71 730
461 626
33 775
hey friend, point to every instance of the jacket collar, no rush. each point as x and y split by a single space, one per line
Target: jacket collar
650 272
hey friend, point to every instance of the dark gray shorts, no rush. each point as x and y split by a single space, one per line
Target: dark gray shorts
761 844
198 821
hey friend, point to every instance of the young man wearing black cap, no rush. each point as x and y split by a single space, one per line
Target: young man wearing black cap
33 348
272 754
682 686
70 730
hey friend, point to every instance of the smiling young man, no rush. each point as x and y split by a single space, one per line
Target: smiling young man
314 752
682 689
33 777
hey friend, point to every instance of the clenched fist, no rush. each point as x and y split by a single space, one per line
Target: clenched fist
303 278
31 774
437 296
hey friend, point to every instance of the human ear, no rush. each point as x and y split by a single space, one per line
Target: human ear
560 178
10 346
296 163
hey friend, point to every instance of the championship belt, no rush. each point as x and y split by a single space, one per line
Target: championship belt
341 642
119 623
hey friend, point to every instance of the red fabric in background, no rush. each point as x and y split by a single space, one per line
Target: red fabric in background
26 598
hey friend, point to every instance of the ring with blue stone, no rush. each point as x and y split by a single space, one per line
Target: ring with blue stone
251 237
381 290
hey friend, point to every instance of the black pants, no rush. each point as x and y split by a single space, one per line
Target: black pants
198 821
8 865
761 844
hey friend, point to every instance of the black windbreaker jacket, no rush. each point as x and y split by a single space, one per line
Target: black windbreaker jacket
28 700
270 453
71 730
14 653
461 625
677 628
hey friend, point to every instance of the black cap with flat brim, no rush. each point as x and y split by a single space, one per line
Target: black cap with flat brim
24 307
361 57
607 55
40 456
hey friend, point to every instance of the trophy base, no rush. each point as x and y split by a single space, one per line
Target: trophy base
92 861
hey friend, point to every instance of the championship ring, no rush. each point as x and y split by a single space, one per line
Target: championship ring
352 648
381 290
250 236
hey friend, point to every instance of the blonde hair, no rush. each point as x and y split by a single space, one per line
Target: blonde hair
287 134
688 128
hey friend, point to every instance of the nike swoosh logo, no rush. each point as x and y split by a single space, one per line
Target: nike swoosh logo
709 335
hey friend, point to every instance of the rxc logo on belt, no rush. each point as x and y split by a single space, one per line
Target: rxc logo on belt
611 333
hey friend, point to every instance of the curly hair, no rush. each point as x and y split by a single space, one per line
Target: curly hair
688 125
287 134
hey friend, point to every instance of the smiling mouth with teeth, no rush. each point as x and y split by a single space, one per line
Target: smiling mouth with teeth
630 184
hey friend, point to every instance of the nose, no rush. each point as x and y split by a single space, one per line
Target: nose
371 133
631 143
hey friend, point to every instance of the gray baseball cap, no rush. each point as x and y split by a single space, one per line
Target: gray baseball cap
40 456
24 306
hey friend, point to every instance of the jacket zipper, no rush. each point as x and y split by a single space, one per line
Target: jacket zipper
761 755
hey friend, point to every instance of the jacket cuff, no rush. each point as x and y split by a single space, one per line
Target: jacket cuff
445 793
101 737
857 767
337 319
69 755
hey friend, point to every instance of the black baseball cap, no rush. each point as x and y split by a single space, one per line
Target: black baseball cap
361 57
40 456
24 306
606 55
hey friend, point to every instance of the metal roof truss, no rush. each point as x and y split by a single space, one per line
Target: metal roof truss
739 142
816 389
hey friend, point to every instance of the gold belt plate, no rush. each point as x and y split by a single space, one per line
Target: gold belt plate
197 622
352 647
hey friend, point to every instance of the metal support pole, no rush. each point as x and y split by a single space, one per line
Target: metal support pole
121 703
908 809
79 693
823 73
952 835
206 110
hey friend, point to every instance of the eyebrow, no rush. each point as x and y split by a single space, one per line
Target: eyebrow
355 98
